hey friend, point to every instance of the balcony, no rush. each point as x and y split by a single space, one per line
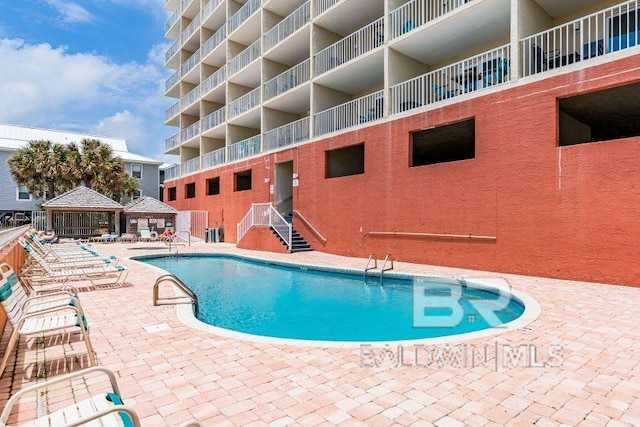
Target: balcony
190 132
417 13
245 58
171 30
209 8
172 60
171 113
248 9
172 173
246 148
286 81
189 100
214 119
190 166
190 70
172 142
188 32
171 82
289 25
214 158
244 103
476 73
358 111
212 82
601 33
350 47
210 54
289 134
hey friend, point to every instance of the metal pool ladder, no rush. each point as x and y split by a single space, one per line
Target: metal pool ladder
375 264
188 296
384 264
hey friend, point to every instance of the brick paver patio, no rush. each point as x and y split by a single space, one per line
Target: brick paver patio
577 364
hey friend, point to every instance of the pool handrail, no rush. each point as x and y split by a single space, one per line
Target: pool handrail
188 293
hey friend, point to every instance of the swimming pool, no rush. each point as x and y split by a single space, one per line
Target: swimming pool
309 303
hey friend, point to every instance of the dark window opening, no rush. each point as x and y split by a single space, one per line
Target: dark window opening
345 161
600 116
243 180
446 143
213 186
190 190
172 194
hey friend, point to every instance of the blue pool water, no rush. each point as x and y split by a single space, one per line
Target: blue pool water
289 302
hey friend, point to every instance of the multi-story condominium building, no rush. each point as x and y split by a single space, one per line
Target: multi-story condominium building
500 135
15 199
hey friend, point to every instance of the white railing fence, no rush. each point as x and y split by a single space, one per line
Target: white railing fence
246 57
172 111
210 7
214 80
172 173
214 41
291 78
265 215
191 28
245 148
350 47
322 5
361 110
416 13
172 81
600 33
214 119
173 49
479 72
289 134
191 166
192 222
190 98
245 103
39 220
214 158
171 21
243 14
288 26
190 132
191 62
172 142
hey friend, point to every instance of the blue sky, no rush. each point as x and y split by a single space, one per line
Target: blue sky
91 66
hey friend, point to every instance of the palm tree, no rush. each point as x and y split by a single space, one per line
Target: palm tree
37 166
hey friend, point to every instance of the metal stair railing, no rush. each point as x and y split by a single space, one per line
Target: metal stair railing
188 298
264 214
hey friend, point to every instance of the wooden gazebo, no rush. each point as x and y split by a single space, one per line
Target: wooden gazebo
82 212
147 212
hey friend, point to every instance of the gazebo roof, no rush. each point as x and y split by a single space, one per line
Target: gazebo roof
83 198
146 204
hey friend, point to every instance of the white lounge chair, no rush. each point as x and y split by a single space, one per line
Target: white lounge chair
104 408
31 322
146 235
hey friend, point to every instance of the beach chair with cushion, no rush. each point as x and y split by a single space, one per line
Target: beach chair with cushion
78 258
146 235
61 317
87 407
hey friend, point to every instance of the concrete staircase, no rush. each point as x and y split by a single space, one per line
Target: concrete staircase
298 243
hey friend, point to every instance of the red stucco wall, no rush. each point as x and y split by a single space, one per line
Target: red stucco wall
568 212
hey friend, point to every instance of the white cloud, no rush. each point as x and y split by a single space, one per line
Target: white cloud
48 87
71 12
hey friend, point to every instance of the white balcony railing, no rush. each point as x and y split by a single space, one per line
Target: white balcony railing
600 33
209 8
191 28
191 62
172 173
245 148
287 26
214 80
265 215
361 110
214 158
214 119
172 81
245 103
186 3
172 111
172 142
289 134
173 49
172 20
214 41
291 78
190 132
479 72
243 14
191 166
245 57
417 13
350 47
190 98
322 5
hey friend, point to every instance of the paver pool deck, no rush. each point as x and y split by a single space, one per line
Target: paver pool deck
578 363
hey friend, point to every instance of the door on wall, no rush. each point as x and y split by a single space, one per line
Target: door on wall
283 188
